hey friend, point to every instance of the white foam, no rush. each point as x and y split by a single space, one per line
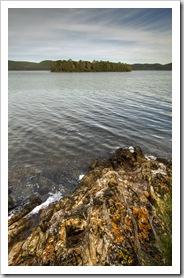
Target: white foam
149 157
80 177
159 171
53 198
11 215
131 149
115 149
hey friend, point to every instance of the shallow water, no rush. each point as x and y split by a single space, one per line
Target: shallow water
60 122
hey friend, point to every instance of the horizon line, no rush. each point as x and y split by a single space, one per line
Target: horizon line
89 61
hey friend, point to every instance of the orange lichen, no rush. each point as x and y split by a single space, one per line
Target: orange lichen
135 247
143 223
117 232
48 253
51 239
135 211
62 233
115 217
121 208
128 223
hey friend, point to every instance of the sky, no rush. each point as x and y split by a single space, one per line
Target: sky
125 35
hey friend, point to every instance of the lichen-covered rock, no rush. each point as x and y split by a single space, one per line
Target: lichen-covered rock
120 214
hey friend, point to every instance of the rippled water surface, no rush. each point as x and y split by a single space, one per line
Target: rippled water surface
60 122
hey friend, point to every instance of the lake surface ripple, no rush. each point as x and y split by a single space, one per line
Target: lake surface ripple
60 122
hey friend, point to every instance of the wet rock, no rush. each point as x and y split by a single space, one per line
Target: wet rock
126 157
11 200
119 215
31 203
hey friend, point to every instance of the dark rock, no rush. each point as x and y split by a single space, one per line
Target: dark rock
126 157
164 160
11 201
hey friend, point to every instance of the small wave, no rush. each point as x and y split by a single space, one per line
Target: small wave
53 198
130 148
157 136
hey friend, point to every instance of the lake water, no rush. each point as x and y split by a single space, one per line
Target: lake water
60 122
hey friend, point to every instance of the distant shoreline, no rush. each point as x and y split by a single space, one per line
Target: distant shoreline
46 65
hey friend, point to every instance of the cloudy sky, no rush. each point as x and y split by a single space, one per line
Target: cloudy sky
119 35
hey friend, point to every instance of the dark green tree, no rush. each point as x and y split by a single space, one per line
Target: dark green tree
86 66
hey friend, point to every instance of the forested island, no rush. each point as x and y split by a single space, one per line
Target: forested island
84 66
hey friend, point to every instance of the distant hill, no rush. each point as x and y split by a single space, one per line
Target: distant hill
46 65
151 67
68 66
23 65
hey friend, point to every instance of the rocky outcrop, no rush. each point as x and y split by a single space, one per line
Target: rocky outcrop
120 214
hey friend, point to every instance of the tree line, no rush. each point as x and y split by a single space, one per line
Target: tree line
86 66
49 64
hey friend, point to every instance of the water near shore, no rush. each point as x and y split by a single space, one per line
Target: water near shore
60 122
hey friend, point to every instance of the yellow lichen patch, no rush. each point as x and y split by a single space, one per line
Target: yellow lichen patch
123 257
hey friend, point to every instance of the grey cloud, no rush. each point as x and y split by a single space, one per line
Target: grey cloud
91 33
